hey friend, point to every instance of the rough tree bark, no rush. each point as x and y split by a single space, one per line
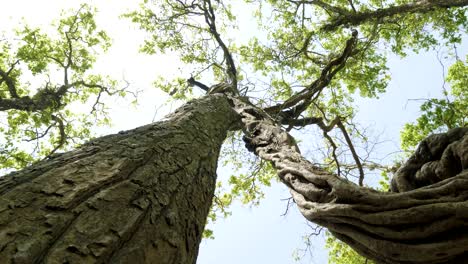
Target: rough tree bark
348 18
141 195
144 194
426 223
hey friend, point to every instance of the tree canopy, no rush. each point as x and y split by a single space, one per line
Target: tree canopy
304 64
43 77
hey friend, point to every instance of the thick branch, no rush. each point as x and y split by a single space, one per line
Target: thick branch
437 157
427 225
44 99
301 122
422 6
192 82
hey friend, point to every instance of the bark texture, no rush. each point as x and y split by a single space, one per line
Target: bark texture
438 157
420 6
425 225
140 196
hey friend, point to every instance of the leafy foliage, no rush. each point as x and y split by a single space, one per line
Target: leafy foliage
441 114
44 78
290 47
180 28
341 253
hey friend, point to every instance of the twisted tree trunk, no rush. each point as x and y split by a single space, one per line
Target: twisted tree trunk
140 196
423 224
143 195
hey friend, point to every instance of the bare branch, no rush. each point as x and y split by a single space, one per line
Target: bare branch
352 5
334 149
39 136
353 152
290 201
192 82
326 76
323 5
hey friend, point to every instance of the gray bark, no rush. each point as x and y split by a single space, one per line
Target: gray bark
143 195
426 223
140 196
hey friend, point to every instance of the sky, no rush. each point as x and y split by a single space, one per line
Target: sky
252 234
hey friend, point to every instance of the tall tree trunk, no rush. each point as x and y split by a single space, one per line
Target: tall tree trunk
141 195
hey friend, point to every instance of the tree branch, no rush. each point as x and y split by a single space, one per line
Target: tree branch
325 6
352 5
62 137
325 77
301 122
353 152
210 19
421 6
426 225
43 99
10 82
192 82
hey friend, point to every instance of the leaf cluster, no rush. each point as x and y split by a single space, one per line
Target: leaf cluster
441 114
45 75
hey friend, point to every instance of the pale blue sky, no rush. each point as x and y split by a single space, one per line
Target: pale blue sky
251 235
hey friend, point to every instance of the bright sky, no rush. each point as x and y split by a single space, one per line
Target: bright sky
251 235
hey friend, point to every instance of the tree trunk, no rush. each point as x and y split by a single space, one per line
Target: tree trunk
144 195
426 223
140 196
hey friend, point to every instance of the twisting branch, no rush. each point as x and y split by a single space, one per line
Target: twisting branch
290 202
334 149
41 135
422 228
327 128
62 136
337 123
